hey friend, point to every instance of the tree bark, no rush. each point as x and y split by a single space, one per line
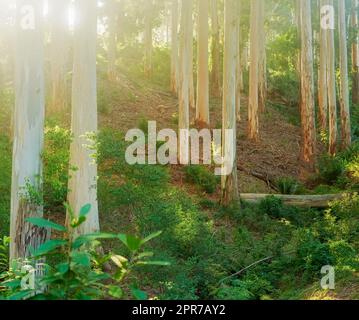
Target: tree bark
253 121
29 114
344 83
215 51
332 96
229 151
174 49
322 83
202 108
307 85
355 51
83 182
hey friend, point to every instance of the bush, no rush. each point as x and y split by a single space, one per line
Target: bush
201 176
288 185
330 169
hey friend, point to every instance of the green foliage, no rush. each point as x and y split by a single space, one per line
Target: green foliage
202 177
5 184
288 185
330 169
4 250
78 271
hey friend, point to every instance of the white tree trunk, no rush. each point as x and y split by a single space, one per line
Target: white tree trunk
230 182
83 182
202 109
174 49
344 83
215 47
253 121
307 85
355 51
28 129
262 64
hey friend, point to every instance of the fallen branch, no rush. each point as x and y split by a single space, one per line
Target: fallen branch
309 201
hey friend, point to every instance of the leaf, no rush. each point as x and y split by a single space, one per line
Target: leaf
21 295
119 260
81 240
62 268
12 284
154 263
77 222
115 292
81 258
150 237
131 242
144 255
43 223
139 294
47 247
85 210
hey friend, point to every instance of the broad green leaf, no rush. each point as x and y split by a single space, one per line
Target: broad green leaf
81 240
139 294
47 247
81 258
21 295
115 292
77 222
144 255
85 210
154 263
43 223
12 284
62 267
151 236
131 242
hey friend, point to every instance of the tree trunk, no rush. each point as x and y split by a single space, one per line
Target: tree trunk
229 151
262 64
307 85
174 49
202 108
355 51
185 58
192 100
332 96
60 42
253 121
322 83
215 47
28 118
83 182
112 40
239 73
344 83
148 39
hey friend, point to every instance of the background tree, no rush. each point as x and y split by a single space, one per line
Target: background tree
355 50
174 47
83 182
230 181
215 50
29 113
307 85
112 8
148 38
202 107
262 65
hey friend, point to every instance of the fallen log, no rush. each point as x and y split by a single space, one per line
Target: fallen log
308 201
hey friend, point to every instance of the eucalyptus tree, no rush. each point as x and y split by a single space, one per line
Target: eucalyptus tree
174 47
355 50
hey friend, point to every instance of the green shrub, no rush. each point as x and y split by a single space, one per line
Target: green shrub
4 252
288 185
330 169
201 176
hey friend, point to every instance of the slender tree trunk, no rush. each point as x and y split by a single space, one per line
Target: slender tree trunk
83 182
148 39
230 181
174 52
332 96
112 40
253 121
322 83
355 51
185 58
239 73
60 43
192 100
344 83
307 85
28 119
215 47
262 68
202 109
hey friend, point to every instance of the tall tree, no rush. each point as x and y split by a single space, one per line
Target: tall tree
185 69
253 121
59 42
262 63
215 51
83 182
112 39
239 73
355 50
148 38
307 85
332 96
322 79
28 119
192 100
344 83
230 181
174 49
202 108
